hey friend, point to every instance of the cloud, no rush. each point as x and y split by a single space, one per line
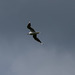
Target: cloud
43 62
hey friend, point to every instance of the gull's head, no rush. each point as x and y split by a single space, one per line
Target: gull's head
28 33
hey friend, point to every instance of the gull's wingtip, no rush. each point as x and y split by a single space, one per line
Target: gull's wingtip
42 43
29 21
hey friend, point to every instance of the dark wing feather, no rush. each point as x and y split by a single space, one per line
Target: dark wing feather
35 37
29 27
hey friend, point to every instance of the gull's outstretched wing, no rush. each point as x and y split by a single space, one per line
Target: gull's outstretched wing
35 37
29 27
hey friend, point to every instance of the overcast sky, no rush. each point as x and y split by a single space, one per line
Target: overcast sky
20 54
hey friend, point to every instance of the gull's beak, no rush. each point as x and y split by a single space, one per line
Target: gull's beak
27 34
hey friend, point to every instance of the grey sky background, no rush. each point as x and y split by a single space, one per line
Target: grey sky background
20 54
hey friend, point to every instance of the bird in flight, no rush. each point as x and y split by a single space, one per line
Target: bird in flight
33 32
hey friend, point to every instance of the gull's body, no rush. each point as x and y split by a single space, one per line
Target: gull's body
33 32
